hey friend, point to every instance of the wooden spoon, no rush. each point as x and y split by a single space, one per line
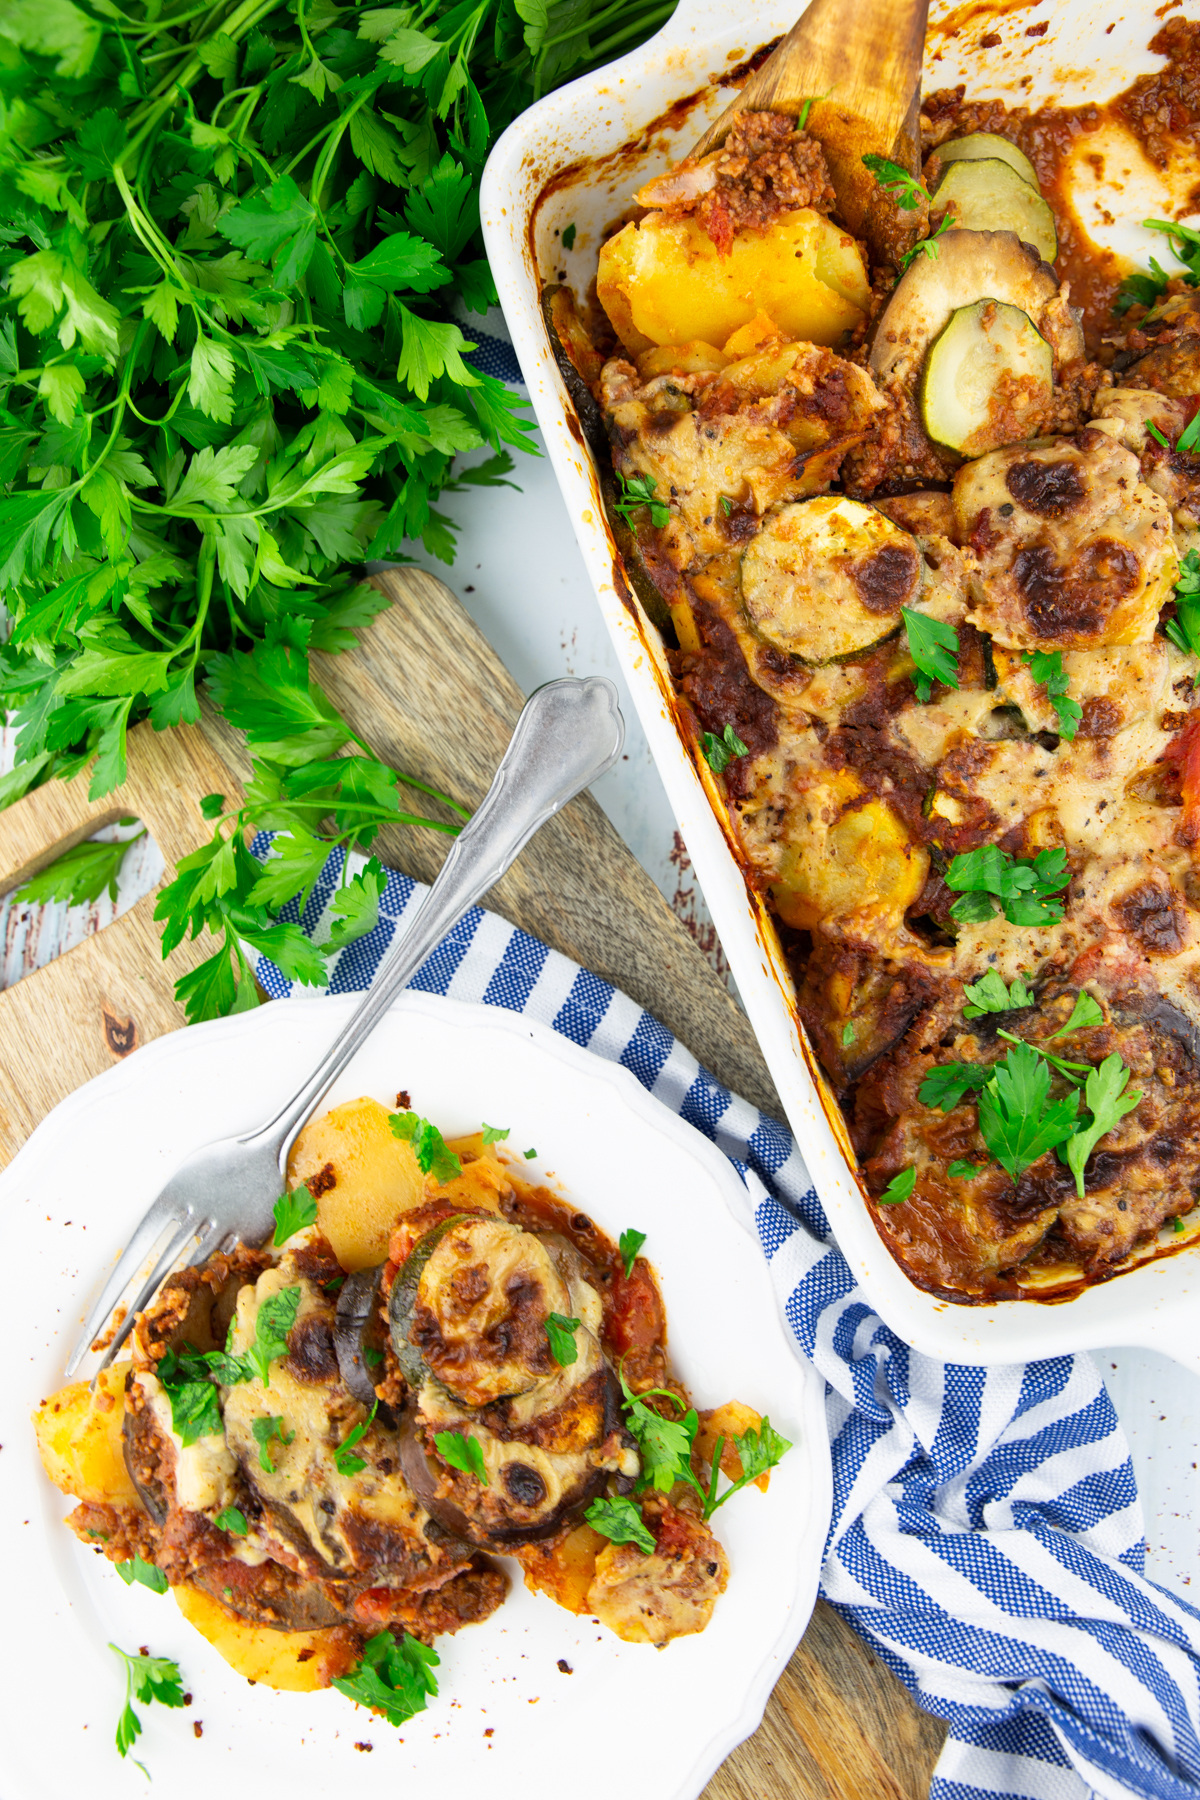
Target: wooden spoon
859 64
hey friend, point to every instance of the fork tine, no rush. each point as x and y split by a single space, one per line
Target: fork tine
209 1243
163 1213
149 1288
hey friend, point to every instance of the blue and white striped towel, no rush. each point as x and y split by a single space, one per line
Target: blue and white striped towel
987 1536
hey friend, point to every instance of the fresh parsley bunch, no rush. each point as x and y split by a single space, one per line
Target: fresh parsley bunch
233 240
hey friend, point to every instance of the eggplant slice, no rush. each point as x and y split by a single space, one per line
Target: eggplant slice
970 266
539 1439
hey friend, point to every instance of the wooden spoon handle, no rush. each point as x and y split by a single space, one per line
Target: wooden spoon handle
860 67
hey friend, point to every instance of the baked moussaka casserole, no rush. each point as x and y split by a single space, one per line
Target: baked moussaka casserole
919 530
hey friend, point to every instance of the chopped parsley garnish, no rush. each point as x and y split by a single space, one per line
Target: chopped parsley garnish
664 1445
1085 1012
1071 1070
896 182
1185 242
960 1170
495 1134
989 995
629 1243
757 1451
1184 628
1046 668
1107 1098
276 1316
1022 886
928 245
561 1332
848 1035
1140 289
945 1085
233 1520
293 1212
195 1403
265 1432
933 646
637 491
1017 1119
394 1679
429 1146
529 1155
899 1188
462 1452
621 1522
344 1460
371 1357
147 1678
137 1569
1185 444
568 236
719 752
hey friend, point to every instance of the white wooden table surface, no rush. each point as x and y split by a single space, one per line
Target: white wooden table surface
519 574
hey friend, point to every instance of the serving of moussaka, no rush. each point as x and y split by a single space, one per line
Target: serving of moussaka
919 530
322 1445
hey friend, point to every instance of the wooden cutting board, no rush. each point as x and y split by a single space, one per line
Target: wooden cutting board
429 694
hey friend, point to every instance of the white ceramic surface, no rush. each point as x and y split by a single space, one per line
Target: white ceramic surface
1078 58
67 1204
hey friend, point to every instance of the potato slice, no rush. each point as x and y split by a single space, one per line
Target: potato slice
862 870
374 1177
80 1443
298 1661
564 1569
663 281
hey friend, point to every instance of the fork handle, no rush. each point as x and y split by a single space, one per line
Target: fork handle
570 732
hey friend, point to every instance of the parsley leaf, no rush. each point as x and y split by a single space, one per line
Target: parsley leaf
1023 886
561 1332
144 1572
933 647
1071 1071
960 1170
1184 628
902 187
1141 289
1017 1119
393 1678
989 995
899 1188
719 752
343 1460
276 1317
1085 1012
433 1158
147 1678
637 491
928 245
664 1445
621 1522
293 1213
758 1451
233 1520
568 236
1107 1099
629 1243
946 1083
1046 668
265 1432
80 875
494 1134
462 1451
195 1409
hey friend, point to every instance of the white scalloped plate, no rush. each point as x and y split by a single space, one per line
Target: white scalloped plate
68 1203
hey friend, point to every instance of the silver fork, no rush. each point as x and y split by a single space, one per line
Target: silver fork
569 733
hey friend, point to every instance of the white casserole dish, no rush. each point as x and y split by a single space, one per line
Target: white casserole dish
641 107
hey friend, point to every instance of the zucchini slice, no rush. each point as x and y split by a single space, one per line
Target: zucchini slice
991 196
825 578
988 379
985 146
969 265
